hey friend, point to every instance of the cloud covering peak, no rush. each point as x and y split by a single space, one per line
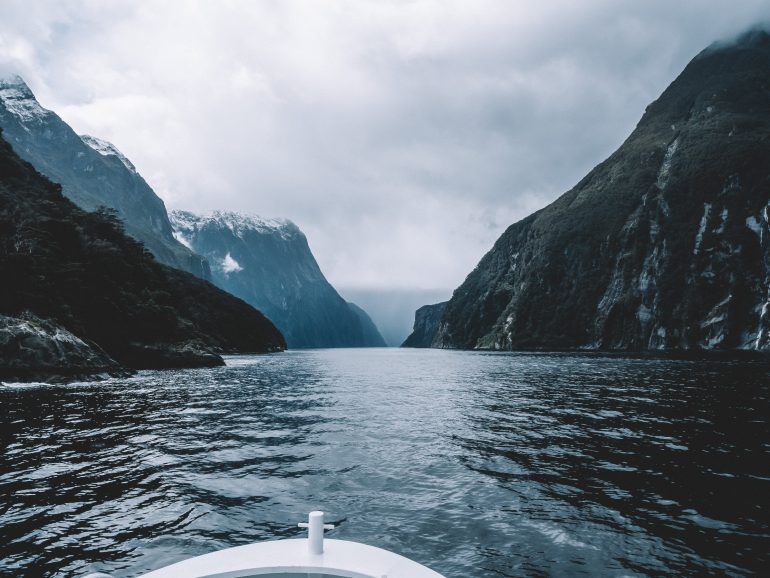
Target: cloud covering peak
402 137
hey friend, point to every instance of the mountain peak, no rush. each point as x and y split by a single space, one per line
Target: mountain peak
106 148
18 99
664 245
238 223
756 37
268 263
236 220
12 80
752 39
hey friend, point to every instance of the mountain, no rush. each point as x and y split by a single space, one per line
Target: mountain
426 322
92 172
664 245
392 308
81 293
371 335
268 263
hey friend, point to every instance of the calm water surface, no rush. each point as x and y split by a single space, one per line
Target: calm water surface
475 464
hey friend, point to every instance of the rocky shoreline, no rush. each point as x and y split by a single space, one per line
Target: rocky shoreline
33 348
37 349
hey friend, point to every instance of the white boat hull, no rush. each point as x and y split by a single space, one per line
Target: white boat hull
339 558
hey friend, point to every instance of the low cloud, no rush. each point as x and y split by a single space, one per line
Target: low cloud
402 136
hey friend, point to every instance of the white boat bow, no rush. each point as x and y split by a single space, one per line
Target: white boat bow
314 555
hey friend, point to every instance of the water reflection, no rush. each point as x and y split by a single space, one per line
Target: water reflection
474 464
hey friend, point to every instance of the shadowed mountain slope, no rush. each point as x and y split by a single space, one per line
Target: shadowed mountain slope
92 172
268 263
665 245
79 270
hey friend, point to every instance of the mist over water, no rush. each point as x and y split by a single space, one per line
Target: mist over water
475 464
393 310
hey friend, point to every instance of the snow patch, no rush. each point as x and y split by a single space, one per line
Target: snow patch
722 222
761 329
514 262
643 314
753 223
712 320
239 224
644 280
715 340
230 265
702 228
663 204
182 239
508 324
715 322
18 99
106 148
665 167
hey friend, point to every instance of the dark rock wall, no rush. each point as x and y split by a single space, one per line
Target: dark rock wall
426 322
39 349
665 245
88 178
79 270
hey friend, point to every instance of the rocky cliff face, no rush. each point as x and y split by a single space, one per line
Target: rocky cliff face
268 263
665 245
80 271
32 348
92 172
426 322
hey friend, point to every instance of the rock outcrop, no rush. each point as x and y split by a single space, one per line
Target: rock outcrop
38 349
93 173
268 263
665 245
80 270
426 322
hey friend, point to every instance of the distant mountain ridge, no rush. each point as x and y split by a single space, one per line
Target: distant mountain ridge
664 245
268 263
92 172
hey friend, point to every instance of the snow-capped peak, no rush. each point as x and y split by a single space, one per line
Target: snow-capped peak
18 99
238 223
106 148
8 80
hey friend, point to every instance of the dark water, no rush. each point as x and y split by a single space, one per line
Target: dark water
477 465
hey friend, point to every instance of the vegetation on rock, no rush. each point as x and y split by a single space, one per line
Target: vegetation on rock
665 245
80 270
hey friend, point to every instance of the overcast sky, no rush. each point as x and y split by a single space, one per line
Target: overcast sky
403 137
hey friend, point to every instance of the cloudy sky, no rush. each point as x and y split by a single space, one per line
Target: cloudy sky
403 136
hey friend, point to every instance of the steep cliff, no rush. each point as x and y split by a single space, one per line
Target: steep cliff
77 271
371 334
665 245
92 173
426 322
268 263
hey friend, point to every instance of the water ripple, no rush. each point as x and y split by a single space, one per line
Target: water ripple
476 464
